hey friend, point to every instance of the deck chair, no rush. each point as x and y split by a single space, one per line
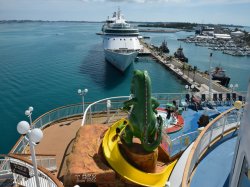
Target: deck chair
203 99
220 98
234 97
228 99
215 100
240 98
187 98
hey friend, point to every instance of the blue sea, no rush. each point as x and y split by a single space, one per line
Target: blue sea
42 64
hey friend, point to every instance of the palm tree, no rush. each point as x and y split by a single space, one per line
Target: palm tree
194 71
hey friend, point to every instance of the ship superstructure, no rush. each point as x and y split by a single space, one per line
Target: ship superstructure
120 41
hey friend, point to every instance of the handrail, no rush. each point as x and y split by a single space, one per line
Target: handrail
99 101
188 169
41 169
45 122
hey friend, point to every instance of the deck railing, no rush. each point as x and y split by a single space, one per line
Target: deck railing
225 122
45 178
46 119
180 143
99 107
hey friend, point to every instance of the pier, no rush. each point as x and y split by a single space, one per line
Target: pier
180 69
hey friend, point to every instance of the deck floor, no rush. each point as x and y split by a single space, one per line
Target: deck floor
215 165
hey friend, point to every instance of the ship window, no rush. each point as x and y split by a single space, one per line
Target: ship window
130 39
120 39
113 38
124 39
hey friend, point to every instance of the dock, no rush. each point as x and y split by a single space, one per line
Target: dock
199 79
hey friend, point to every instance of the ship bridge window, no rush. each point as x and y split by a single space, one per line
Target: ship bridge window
121 39
124 39
113 38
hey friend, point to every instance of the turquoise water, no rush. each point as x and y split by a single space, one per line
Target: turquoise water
43 64
236 67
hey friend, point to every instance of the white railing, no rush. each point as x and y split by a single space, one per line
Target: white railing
44 179
101 106
49 163
46 119
94 108
215 130
180 143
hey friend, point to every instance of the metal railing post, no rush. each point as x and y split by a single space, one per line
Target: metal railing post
224 124
210 137
90 113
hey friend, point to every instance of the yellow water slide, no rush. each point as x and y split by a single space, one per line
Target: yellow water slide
126 170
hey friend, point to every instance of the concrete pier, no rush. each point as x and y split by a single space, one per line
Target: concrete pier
198 79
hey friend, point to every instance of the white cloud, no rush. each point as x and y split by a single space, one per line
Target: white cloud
193 2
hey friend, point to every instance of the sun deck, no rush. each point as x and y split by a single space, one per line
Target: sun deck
61 125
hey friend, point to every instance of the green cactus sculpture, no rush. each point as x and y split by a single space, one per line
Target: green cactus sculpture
143 122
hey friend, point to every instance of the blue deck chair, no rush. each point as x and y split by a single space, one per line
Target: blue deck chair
203 99
234 97
240 98
215 100
228 99
220 98
187 98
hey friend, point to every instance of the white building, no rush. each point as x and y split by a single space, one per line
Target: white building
237 33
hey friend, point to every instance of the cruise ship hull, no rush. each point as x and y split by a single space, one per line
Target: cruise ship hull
120 60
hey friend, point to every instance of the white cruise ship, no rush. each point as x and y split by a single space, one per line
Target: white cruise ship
120 41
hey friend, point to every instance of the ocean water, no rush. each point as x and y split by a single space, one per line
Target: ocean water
237 68
42 64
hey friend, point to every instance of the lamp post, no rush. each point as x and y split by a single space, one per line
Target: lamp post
108 110
34 136
82 93
233 87
210 77
189 88
29 113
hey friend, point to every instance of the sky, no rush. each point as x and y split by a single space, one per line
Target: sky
196 11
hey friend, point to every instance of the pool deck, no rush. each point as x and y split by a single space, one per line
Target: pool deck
58 137
216 164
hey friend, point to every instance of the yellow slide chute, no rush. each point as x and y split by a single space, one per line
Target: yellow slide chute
126 170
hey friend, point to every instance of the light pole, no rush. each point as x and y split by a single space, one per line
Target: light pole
210 77
29 113
189 88
108 110
34 136
82 93
233 87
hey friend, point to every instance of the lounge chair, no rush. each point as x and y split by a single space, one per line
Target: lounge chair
220 98
187 98
228 99
203 99
234 97
215 100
